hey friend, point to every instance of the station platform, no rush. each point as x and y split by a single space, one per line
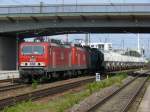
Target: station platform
145 104
4 75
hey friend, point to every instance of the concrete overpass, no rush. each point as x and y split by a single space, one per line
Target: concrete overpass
24 21
57 19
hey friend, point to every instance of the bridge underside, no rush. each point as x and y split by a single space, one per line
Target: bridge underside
57 31
45 24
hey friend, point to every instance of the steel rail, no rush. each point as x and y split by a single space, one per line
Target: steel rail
138 90
105 99
10 101
12 86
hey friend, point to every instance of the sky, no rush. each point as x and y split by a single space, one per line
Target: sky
130 40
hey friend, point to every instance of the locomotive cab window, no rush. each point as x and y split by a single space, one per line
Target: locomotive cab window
38 50
27 50
33 50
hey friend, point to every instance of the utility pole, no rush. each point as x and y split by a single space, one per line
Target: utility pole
138 42
123 45
89 39
67 38
148 48
106 40
86 39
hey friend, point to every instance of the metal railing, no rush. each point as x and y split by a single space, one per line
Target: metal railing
72 8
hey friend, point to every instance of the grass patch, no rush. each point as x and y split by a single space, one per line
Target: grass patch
67 101
34 84
96 86
60 104
25 107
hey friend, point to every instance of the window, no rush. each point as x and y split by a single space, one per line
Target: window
38 50
92 45
32 50
27 50
101 47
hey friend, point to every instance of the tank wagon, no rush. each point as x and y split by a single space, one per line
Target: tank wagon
54 59
115 61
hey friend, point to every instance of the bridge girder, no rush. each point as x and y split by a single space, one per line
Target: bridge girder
81 23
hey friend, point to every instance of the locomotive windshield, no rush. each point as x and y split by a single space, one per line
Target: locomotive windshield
33 50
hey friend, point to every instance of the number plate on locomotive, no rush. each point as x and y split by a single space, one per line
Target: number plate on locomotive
32 63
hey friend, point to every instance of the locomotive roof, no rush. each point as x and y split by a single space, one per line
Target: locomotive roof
46 43
65 45
35 43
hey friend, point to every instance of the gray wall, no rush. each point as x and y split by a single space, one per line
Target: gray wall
7 53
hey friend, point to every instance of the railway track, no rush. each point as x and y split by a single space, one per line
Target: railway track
122 71
10 101
12 86
120 100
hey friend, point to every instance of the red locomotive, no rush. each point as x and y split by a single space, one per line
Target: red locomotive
51 59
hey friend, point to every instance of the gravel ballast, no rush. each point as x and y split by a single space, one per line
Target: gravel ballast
96 97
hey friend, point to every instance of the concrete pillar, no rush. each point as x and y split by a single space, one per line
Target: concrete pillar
7 53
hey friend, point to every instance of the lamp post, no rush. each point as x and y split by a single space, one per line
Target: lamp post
138 35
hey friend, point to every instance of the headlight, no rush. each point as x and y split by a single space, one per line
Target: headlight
41 64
